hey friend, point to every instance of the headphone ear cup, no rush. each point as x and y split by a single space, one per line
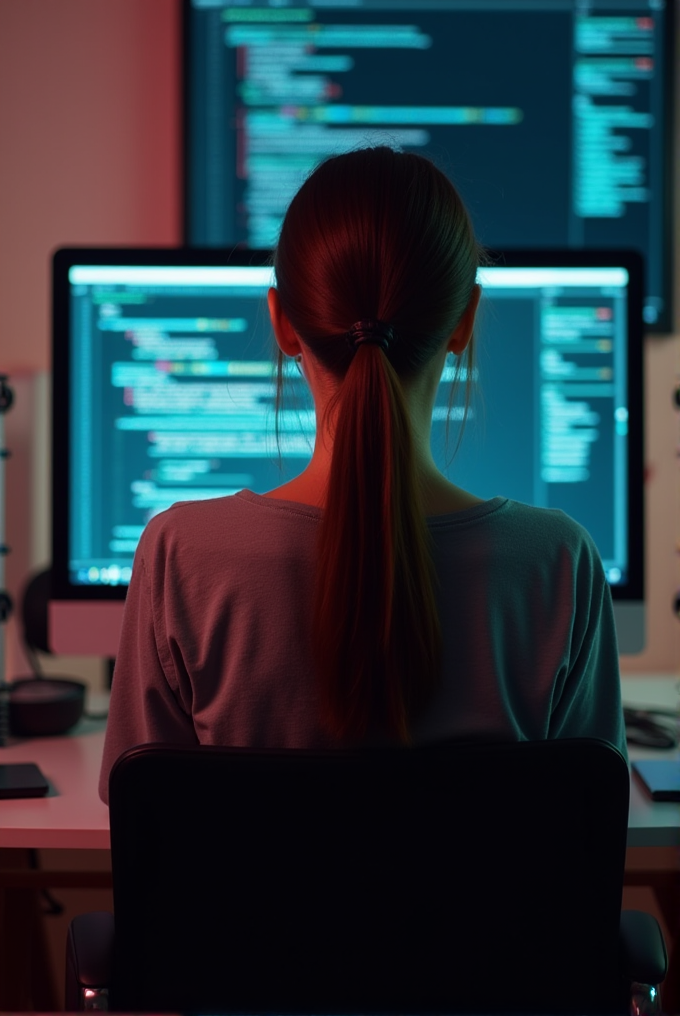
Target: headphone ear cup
44 707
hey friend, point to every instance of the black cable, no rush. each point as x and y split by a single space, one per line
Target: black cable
32 657
651 728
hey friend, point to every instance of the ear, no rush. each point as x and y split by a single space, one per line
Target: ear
286 336
462 333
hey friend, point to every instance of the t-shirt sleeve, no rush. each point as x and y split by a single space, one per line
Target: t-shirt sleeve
143 707
587 701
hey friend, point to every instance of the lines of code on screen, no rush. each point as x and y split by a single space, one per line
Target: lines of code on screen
549 116
173 394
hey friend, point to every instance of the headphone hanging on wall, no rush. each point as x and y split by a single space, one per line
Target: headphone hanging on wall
41 706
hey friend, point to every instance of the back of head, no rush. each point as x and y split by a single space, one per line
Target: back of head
376 234
383 236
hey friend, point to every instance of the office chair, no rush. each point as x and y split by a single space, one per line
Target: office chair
457 877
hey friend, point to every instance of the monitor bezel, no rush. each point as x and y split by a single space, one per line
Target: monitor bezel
64 589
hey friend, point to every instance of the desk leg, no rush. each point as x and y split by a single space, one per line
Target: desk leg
26 982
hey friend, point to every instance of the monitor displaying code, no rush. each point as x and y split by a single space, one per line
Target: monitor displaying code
552 117
169 372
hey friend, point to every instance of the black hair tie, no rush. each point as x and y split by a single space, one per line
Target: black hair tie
377 333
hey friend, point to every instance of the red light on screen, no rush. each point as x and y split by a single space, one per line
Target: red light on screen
604 313
645 24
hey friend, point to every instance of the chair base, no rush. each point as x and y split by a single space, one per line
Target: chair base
645 1000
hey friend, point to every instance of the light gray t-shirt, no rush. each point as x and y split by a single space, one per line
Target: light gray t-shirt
215 645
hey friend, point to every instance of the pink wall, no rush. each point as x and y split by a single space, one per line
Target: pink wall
89 154
90 128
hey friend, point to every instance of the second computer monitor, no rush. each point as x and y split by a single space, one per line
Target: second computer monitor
552 117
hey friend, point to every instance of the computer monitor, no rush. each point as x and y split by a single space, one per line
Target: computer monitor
553 117
164 391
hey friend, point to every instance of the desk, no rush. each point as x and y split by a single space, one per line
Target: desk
73 817
70 817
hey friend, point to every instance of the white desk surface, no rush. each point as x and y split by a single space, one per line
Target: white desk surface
71 816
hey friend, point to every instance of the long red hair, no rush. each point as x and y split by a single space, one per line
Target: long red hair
375 234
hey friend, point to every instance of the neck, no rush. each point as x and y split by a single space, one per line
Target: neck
439 495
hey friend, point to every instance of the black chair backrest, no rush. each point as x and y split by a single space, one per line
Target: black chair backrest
459 877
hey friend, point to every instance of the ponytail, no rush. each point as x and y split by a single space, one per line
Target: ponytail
381 235
376 633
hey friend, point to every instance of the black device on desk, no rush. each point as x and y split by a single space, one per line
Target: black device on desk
22 779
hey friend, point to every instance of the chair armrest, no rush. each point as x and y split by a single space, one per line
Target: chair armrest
643 950
89 946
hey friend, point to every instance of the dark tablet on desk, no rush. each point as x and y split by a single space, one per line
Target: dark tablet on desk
22 779
661 778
